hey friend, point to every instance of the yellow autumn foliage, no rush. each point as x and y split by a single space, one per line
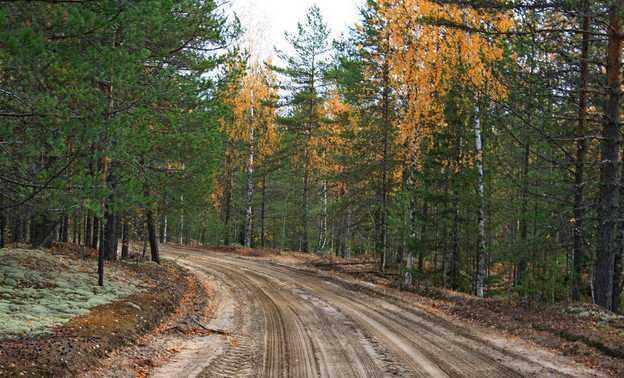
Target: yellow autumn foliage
426 53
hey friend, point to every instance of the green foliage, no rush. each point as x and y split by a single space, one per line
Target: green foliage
109 105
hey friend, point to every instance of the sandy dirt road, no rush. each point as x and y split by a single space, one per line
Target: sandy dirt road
283 321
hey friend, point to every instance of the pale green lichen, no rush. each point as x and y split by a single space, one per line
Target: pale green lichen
52 290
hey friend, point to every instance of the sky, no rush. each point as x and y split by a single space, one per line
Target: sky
266 20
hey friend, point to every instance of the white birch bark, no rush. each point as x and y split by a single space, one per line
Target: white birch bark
181 236
250 167
412 221
165 230
481 191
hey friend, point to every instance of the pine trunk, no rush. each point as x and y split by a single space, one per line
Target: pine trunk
109 238
522 264
263 214
152 236
100 251
322 242
579 172
96 232
304 217
228 196
2 222
605 248
125 239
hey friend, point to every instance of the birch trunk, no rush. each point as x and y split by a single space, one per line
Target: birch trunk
412 219
164 233
250 166
481 191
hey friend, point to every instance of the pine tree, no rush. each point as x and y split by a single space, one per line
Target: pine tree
305 83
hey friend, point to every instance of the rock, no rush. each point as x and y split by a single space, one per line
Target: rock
10 282
583 315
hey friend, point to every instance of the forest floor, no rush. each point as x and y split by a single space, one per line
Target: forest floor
87 325
173 304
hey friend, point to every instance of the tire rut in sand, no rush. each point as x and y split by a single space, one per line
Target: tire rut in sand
424 348
293 322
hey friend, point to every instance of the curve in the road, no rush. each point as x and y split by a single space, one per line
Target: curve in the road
295 323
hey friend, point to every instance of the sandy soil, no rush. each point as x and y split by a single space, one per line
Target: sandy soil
266 319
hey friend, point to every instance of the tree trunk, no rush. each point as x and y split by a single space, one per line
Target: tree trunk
65 234
322 242
109 238
605 253
453 271
125 239
263 214
96 232
163 230
579 172
618 266
412 220
152 236
304 217
181 233
521 266
101 252
423 238
228 196
88 239
250 186
2 222
481 193
43 232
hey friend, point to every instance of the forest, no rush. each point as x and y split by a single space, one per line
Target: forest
471 145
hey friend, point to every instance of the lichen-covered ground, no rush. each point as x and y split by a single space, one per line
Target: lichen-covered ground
40 290
56 321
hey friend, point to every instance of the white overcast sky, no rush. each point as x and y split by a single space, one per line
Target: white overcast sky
270 18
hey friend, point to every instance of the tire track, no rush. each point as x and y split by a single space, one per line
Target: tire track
295 323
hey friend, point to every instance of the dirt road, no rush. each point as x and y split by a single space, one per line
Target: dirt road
281 321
